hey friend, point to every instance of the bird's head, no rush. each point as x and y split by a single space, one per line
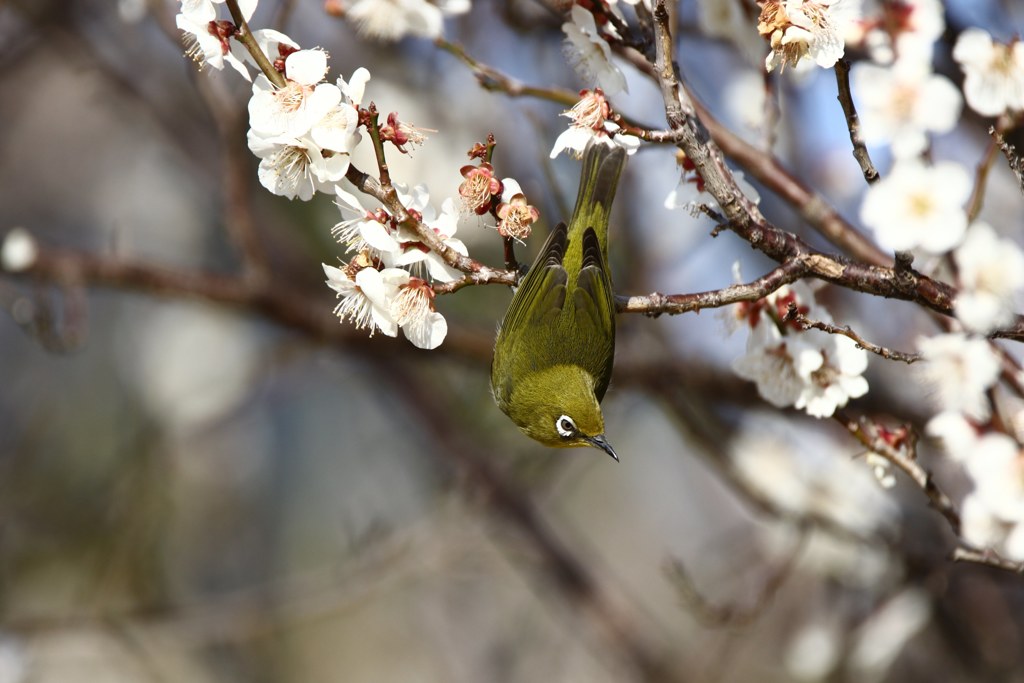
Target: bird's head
558 408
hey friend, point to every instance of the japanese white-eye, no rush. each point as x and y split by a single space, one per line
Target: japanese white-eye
554 350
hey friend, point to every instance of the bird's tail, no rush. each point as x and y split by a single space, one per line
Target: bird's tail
603 162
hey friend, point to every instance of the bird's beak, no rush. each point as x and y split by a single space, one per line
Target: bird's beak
601 442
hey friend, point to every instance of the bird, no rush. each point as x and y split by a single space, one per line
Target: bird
555 347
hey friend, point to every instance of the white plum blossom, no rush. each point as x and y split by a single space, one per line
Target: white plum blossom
294 109
412 307
392 19
590 54
296 167
366 230
209 42
387 300
589 121
815 29
918 206
355 87
809 370
902 103
412 251
366 294
991 274
993 72
272 43
959 369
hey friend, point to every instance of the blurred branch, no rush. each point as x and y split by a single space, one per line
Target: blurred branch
277 301
715 615
977 199
845 97
1014 159
987 557
568 573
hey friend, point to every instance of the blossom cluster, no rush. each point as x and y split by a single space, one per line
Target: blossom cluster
808 369
920 204
305 131
962 371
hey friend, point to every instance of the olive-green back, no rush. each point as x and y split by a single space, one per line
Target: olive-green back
563 312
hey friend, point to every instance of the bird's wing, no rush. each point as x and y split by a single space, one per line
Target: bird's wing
595 309
541 294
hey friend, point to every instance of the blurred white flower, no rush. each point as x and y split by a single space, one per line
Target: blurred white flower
812 654
296 167
993 72
810 370
881 638
991 274
732 20
590 53
901 103
882 468
745 98
960 369
992 514
806 474
903 31
190 363
294 109
918 206
18 251
806 28
392 19
957 434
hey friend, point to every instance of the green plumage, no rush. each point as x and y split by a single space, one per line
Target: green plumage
554 351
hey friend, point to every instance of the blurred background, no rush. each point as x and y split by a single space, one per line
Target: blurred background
196 485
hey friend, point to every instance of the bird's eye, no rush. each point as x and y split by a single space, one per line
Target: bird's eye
565 426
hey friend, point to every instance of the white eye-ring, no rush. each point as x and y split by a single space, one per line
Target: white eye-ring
565 426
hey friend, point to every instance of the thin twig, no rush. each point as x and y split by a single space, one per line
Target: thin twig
987 557
245 36
845 97
902 453
806 323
